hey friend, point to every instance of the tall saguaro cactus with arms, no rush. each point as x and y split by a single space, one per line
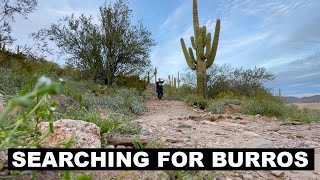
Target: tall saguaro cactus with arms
205 51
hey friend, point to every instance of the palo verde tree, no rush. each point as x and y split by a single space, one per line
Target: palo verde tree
8 10
115 46
205 52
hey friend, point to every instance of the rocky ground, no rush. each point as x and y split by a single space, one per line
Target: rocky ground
179 125
182 126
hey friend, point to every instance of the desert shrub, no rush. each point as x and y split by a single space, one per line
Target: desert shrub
122 101
114 122
217 106
196 100
227 94
264 107
73 88
11 83
304 115
238 81
131 82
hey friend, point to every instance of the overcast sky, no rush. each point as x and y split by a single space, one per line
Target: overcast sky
281 35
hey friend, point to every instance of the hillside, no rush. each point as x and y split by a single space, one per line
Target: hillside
292 99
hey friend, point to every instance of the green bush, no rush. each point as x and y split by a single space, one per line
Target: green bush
123 101
304 116
217 106
264 107
131 82
11 83
114 122
196 100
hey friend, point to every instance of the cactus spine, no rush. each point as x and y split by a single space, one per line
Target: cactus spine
155 74
205 51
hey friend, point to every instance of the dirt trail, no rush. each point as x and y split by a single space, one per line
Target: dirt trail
182 126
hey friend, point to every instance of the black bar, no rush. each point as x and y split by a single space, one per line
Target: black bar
153 159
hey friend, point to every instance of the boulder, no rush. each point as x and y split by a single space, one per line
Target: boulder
232 108
85 135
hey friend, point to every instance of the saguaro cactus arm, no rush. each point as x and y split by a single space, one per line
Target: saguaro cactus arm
187 56
195 18
193 43
213 52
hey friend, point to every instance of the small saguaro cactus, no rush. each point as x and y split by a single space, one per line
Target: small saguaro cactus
18 49
205 51
155 74
172 83
148 78
178 81
175 83
169 77
279 93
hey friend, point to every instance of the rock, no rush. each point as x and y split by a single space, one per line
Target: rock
110 147
119 139
238 118
184 126
157 175
172 140
258 116
250 133
121 147
246 176
220 134
219 178
232 108
278 174
258 143
86 135
3 157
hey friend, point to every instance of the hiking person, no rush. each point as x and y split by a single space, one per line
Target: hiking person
159 87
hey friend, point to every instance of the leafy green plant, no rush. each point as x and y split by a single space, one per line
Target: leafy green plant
22 131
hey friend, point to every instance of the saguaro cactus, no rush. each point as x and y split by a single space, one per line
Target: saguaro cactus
175 83
205 51
178 81
148 78
169 77
172 83
155 74
279 93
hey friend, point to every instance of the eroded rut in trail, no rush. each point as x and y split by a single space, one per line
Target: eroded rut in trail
180 125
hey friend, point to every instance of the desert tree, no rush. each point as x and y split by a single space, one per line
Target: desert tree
8 10
114 46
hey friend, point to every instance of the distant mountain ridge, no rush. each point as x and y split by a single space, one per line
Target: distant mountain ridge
292 99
